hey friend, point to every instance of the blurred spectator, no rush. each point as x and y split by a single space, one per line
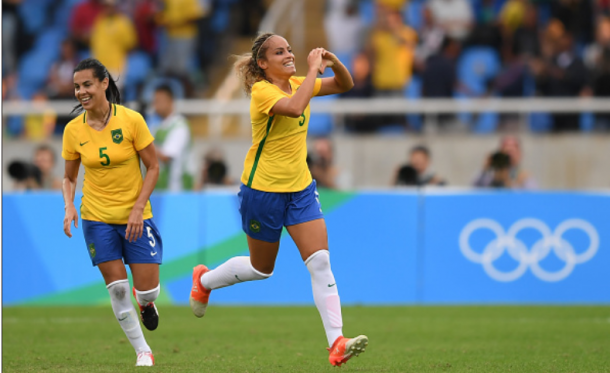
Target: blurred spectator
146 27
593 53
417 172
564 75
322 166
61 77
602 7
397 5
40 126
25 176
513 14
363 88
44 159
601 86
439 78
112 37
179 18
525 40
10 28
214 170
454 16
173 141
392 50
577 18
502 168
486 30
343 26
392 47
430 40
252 12
82 20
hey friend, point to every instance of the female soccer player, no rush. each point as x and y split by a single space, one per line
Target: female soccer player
110 139
277 186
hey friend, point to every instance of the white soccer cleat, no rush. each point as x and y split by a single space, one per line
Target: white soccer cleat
145 359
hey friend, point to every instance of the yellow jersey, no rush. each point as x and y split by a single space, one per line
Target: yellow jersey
276 161
113 178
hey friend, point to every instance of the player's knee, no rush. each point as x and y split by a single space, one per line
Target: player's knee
318 261
262 273
117 289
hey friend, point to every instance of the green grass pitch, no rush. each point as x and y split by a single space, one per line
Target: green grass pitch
291 339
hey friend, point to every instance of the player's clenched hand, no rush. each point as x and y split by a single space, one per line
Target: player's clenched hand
135 224
71 215
328 60
314 60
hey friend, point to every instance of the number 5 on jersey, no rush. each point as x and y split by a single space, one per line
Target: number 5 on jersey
102 155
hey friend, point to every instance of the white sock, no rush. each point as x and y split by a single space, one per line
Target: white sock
325 294
234 270
126 314
148 296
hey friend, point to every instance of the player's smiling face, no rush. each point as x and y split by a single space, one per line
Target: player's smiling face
279 59
88 89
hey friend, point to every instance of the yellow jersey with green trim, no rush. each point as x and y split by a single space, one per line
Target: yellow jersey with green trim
113 177
276 161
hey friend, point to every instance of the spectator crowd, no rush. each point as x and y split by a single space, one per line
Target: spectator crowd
474 48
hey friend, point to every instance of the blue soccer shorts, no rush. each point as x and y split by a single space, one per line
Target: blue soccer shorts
106 242
264 214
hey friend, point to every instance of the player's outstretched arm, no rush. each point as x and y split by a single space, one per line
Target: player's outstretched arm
68 189
341 82
135 224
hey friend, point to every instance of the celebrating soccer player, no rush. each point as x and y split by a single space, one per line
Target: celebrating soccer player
110 140
277 188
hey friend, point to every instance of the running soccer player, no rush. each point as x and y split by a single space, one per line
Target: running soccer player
110 139
277 188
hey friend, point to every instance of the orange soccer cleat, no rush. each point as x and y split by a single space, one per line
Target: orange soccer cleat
199 295
344 348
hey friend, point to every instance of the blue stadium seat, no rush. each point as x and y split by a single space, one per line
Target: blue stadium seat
413 91
34 14
413 14
63 13
587 122
367 12
476 67
136 71
321 124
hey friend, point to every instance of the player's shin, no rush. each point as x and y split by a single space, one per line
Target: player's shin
325 294
234 270
126 314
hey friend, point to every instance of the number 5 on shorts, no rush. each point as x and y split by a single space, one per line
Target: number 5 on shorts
150 235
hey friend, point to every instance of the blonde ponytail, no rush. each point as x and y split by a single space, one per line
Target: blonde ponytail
246 65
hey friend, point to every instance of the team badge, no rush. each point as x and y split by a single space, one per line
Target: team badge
92 250
255 226
117 136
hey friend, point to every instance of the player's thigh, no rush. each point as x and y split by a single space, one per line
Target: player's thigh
145 275
147 249
263 254
310 236
305 221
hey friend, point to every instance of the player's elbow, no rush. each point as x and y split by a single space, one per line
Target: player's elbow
294 111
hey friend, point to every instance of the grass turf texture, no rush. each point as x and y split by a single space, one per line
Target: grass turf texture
291 339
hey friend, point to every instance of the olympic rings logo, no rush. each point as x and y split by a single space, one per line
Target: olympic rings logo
508 241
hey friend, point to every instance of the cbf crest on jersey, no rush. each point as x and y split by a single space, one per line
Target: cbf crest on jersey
117 136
